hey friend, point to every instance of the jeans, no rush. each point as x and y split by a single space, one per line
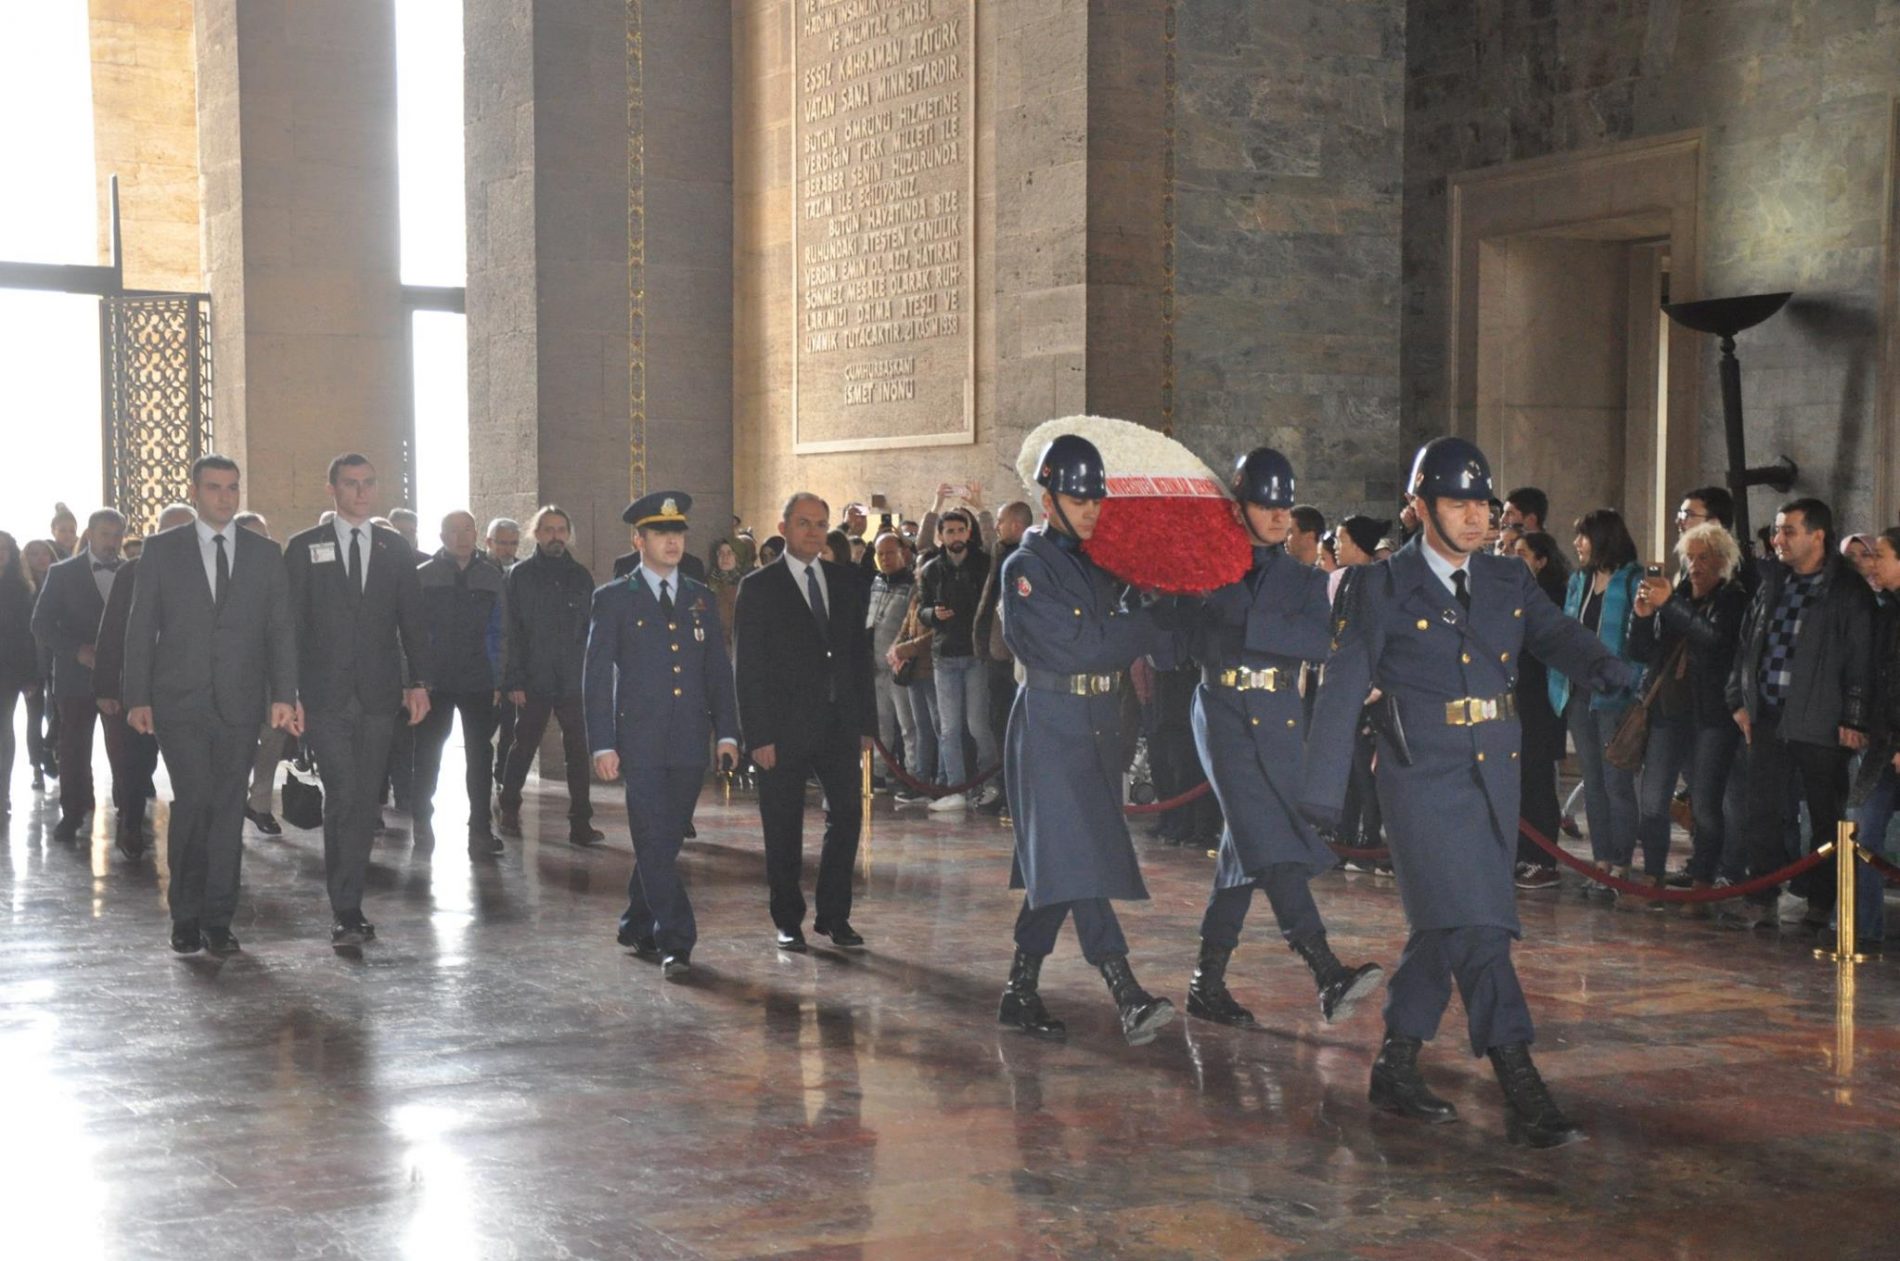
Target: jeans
963 703
1707 754
1609 794
895 718
1870 887
923 708
1819 771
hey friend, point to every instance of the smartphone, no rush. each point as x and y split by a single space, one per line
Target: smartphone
1654 571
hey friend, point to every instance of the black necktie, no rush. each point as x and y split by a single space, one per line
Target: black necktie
224 572
666 599
1460 590
356 559
817 598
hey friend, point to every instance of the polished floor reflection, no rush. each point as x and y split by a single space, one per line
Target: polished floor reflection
494 1077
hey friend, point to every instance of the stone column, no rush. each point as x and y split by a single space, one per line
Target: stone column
600 260
297 135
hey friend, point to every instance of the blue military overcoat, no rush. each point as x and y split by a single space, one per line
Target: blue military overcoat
1277 617
657 689
1450 816
1062 754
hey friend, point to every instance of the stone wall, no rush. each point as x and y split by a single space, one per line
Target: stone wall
1795 100
145 131
1287 240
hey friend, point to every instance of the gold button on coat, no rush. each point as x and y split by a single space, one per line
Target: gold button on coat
1423 624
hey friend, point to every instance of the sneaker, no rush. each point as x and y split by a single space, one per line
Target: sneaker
944 805
985 795
1536 876
905 797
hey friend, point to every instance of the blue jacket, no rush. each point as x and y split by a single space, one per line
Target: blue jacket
1277 617
1062 753
657 692
1613 628
1450 816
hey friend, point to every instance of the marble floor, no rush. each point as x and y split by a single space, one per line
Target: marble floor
495 1078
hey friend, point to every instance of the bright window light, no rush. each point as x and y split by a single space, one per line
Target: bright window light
49 342
440 339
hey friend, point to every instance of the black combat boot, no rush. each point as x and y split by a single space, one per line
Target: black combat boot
1208 998
1143 1015
1022 1006
1397 1085
1531 1116
1340 987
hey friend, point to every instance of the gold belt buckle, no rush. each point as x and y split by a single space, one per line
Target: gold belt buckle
1101 684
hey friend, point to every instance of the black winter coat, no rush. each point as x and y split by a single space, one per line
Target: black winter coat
1711 631
1833 659
549 600
959 588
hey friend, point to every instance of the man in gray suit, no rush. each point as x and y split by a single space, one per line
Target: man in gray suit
208 648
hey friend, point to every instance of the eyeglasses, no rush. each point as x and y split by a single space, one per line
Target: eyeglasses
1686 515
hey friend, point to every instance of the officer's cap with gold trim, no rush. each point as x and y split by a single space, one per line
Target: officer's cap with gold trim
660 510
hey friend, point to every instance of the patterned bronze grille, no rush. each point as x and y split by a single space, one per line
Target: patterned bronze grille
155 390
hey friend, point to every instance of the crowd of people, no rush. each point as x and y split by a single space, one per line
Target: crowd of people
1754 697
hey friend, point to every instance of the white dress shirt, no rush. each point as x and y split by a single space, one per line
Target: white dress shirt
208 552
343 529
798 568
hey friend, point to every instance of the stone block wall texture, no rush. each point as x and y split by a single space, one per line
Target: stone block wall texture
145 131
592 326
1287 203
1795 98
297 142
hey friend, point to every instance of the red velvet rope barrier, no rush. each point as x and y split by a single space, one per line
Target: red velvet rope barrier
1380 855
1879 864
929 790
1195 793
1760 884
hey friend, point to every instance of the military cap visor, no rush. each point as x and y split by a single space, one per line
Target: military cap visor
661 510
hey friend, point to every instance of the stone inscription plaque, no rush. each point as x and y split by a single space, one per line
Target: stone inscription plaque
882 223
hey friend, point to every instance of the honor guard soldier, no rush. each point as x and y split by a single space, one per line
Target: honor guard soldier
1256 636
1062 753
658 687
1440 629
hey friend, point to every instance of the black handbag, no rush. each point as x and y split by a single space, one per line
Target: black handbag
303 792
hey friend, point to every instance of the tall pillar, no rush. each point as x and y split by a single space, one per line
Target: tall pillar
600 269
297 136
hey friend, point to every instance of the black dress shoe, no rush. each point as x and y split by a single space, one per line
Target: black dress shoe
264 821
508 822
352 930
676 965
482 843
220 941
841 936
67 829
186 939
642 945
792 939
584 835
130 842
692 833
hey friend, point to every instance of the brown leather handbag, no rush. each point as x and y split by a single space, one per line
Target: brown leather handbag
1628 745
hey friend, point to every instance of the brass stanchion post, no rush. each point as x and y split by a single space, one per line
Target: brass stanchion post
1845 930
864 839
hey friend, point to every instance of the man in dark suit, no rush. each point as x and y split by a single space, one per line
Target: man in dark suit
806 707
208 648
140 759
658 687
66 623
356 606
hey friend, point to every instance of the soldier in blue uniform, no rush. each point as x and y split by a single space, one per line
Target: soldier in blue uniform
1255 637
1062 754
1439 629
658 687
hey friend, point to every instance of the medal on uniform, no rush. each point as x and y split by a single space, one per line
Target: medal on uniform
1022 586
699 633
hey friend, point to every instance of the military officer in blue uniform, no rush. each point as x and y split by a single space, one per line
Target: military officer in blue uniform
1439 630
1254 640
658 686
1062 753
